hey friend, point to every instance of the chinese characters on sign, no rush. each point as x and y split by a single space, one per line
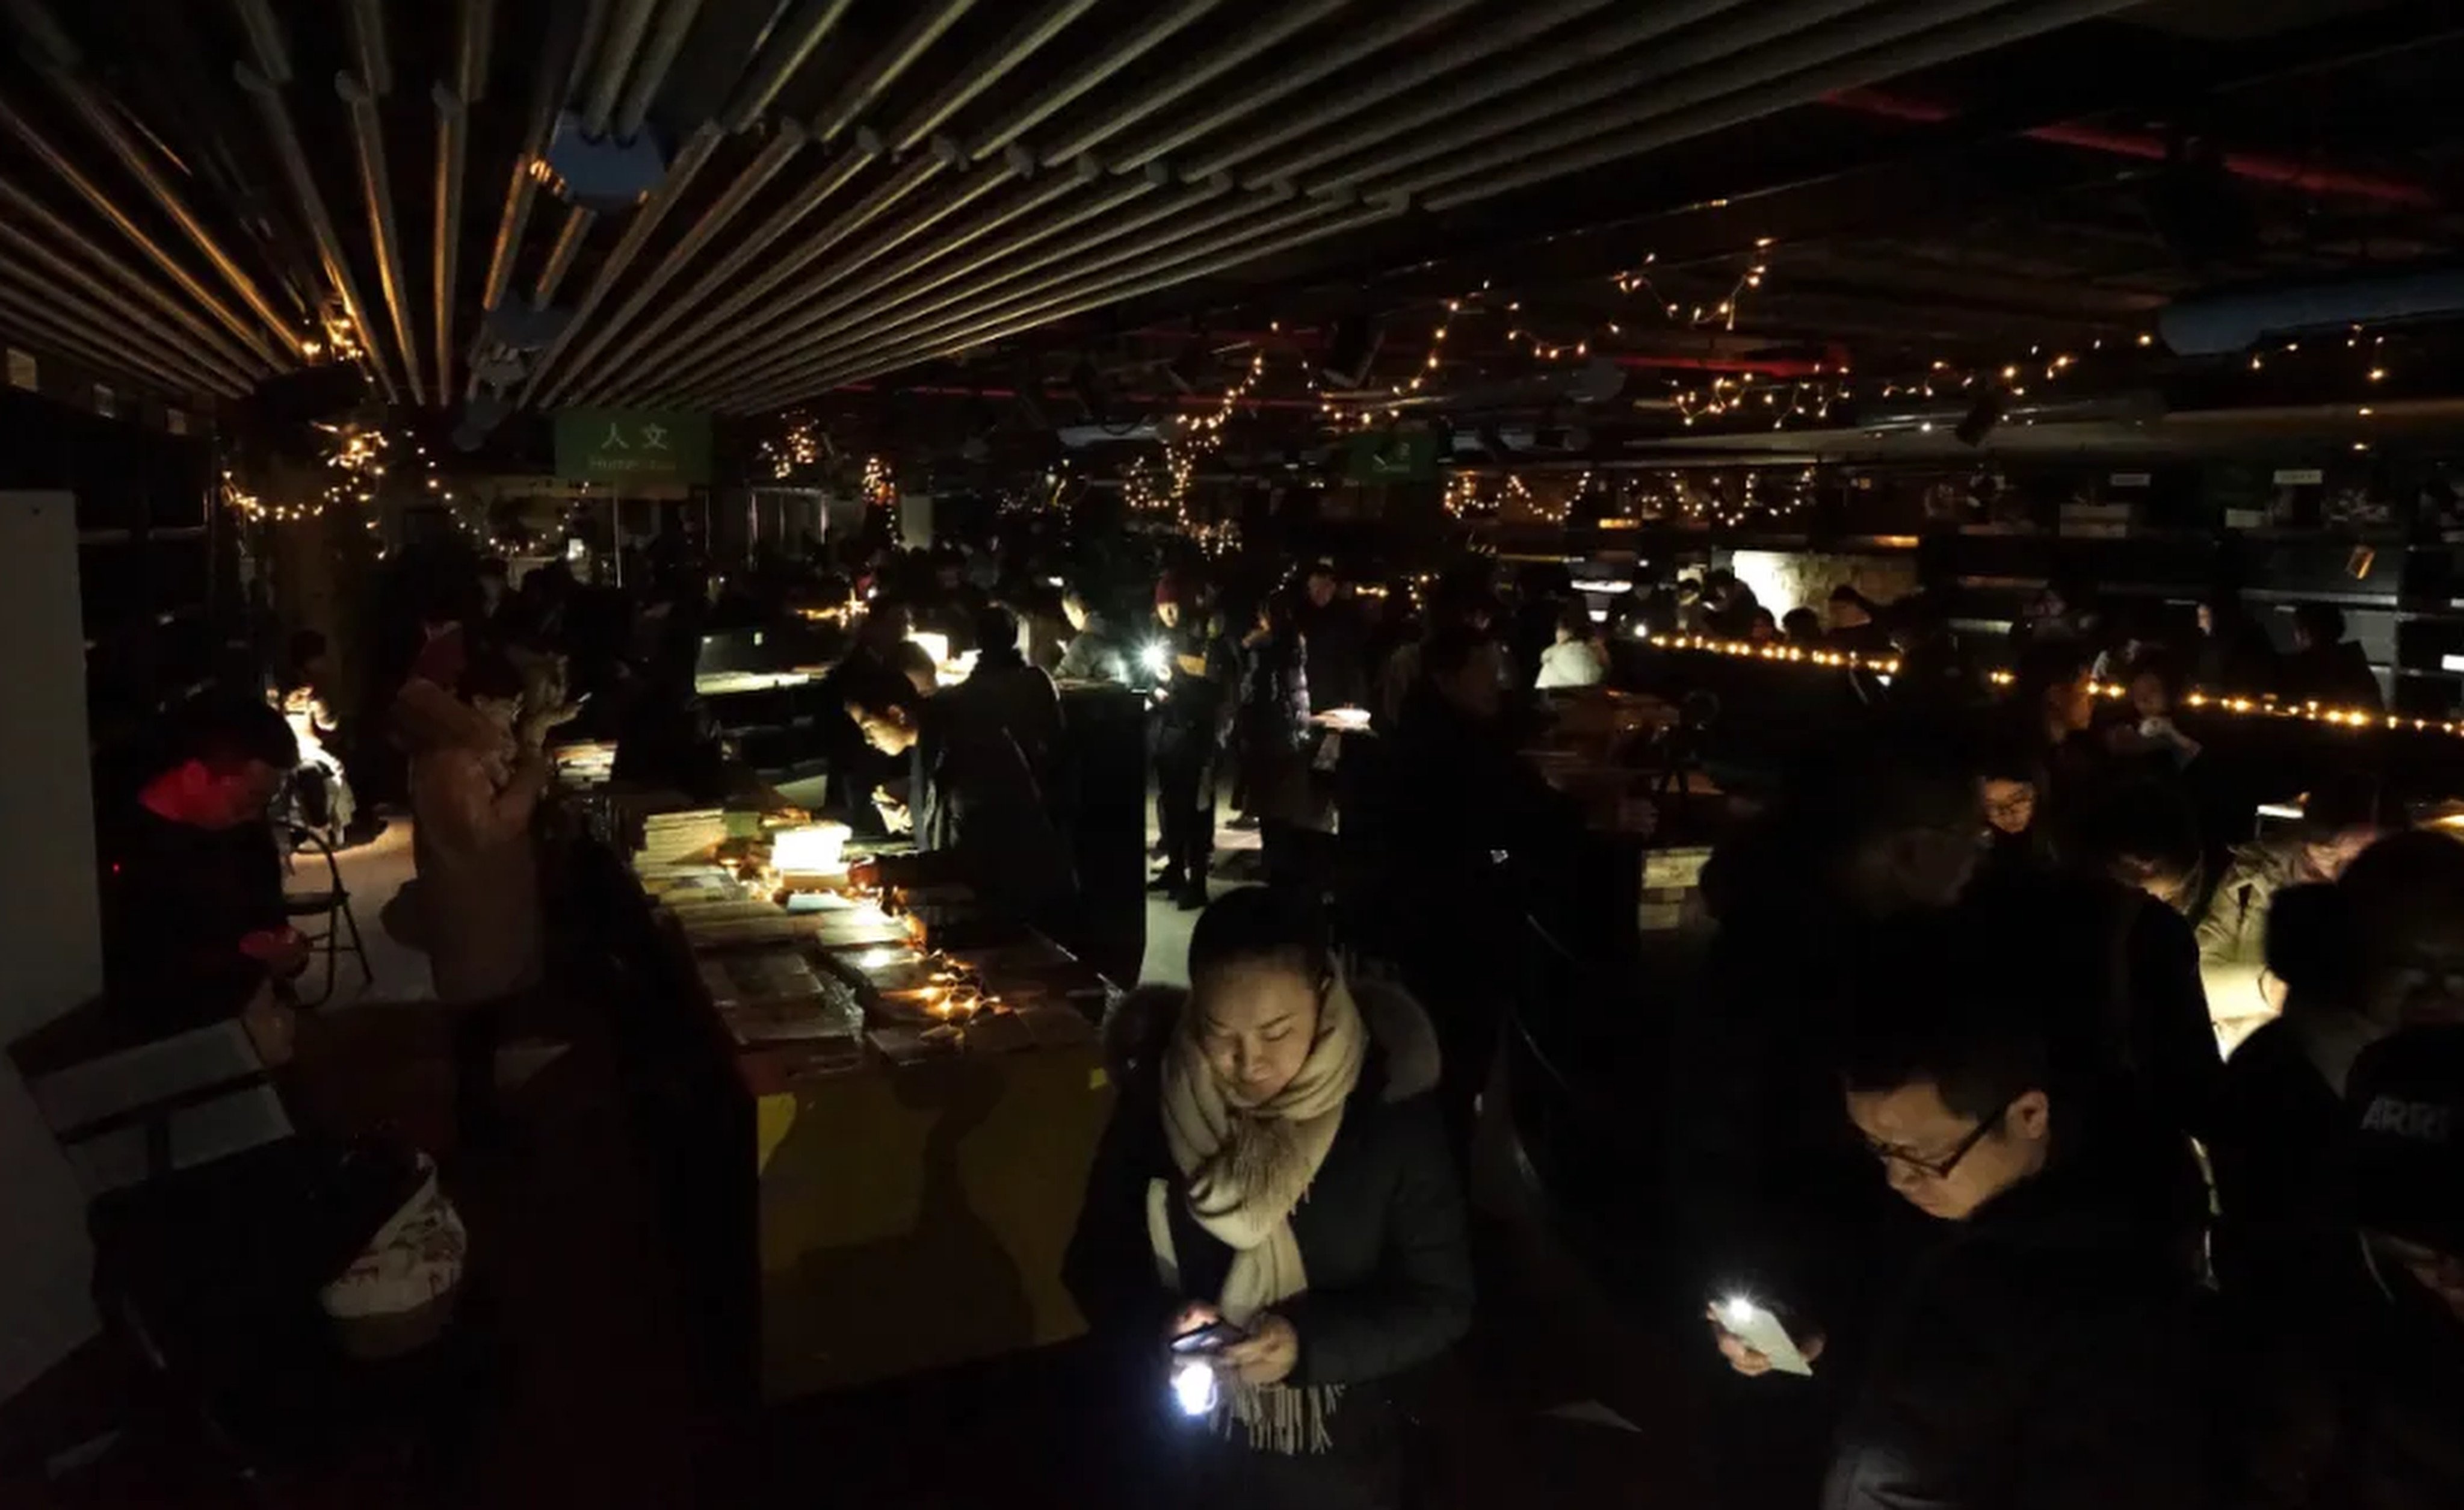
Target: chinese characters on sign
628 446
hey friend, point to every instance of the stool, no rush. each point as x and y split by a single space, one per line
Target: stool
334 904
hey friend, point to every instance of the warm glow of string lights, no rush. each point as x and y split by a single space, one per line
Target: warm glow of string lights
879 488
2205 702
794 452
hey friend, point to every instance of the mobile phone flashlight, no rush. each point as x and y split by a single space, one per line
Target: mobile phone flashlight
1193 1386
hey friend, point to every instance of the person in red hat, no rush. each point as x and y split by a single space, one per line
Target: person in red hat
1195 669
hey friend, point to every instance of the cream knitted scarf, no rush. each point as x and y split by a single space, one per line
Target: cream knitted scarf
1245 1169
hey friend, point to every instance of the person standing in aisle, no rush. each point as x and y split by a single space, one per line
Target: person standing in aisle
1200 670
1273 1235
473 799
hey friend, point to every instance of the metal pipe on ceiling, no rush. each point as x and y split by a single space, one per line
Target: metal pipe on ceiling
1061 92
452 97
758 326
444 244
1098 299
577 221
908 303
208 370
689 162
311 203
886 67
1193 74
1751 27
103 333
617 50
903 180
473 49
753 330
557 62
109 207
1000 252
783 53
1483 43
986 69
519 195
265 39
1142 237
367 28
790 140
652 70
838 297
1688 115
1291 80
42 323
835 176
376 185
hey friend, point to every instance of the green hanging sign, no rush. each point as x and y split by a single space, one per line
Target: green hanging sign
1401 456
632 447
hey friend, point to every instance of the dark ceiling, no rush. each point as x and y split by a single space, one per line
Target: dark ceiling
746 205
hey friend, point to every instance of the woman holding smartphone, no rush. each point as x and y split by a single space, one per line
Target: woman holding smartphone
1276 1177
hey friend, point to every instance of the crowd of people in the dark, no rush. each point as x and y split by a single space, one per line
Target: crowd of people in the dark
1946 1118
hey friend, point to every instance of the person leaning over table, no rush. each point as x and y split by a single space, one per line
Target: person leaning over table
978 792
1275 1161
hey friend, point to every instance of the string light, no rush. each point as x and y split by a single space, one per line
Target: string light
2206 703
796 452
878 489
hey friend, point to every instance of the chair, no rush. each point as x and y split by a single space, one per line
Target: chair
334 904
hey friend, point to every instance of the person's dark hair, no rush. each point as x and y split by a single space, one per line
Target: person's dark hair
1260 922
1321 568
489 674
306 645
2407 885
2166 671
1719 577
1802 625
2042 667
2313 943
908 659
1449 649
2146 821
996 630
449 600
2321 623
226 733
1575 620
1926 1010
2344 802
1846 592
1282 612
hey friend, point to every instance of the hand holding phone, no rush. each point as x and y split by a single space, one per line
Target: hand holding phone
1755 1343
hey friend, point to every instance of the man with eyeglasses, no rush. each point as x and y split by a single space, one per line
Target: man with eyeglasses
2045 1352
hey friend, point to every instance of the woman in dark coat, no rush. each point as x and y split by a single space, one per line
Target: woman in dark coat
1275 1164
